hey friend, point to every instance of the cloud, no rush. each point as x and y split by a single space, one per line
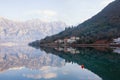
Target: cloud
44 15
39 76
46 72
35 76
49 75
48 13
45 68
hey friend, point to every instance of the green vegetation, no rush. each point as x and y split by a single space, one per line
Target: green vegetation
103 26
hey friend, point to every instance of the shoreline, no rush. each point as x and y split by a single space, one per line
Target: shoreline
80 45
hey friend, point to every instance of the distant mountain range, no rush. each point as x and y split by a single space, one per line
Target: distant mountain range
18 56
103 26
29 30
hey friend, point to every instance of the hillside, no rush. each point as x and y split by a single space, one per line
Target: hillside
29 30
103 26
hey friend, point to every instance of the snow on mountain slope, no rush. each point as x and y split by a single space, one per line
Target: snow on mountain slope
29 30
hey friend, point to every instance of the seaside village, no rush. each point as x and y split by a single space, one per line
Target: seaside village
74 39
116 41
66 41
70 40
68 50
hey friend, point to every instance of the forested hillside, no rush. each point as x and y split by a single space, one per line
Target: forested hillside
103 26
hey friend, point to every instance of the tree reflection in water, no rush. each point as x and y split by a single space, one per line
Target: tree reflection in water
104 62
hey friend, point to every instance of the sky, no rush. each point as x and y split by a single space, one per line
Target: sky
72 12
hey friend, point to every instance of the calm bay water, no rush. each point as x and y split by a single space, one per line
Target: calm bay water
22 62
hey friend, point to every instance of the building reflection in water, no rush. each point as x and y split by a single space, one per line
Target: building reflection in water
102 61
27 63
68 49
58 63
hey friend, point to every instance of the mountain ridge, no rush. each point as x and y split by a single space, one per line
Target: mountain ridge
29 30
104 25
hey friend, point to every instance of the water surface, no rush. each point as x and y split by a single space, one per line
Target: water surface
22 62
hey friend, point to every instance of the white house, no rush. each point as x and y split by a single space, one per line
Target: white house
70 40
73 39
117 50
67 40
59 41
77 38
117 41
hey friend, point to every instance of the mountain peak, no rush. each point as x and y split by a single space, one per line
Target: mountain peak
1 18
29 30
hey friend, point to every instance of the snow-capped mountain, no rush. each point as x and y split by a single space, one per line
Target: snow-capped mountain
29 30
24 56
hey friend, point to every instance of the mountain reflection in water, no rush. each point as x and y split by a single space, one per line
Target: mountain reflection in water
27 63
20 56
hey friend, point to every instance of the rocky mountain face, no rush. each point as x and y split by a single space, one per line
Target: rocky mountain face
103 26
28 30
18 56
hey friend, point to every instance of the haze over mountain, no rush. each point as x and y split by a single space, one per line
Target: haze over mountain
29 30
22 56
103 26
